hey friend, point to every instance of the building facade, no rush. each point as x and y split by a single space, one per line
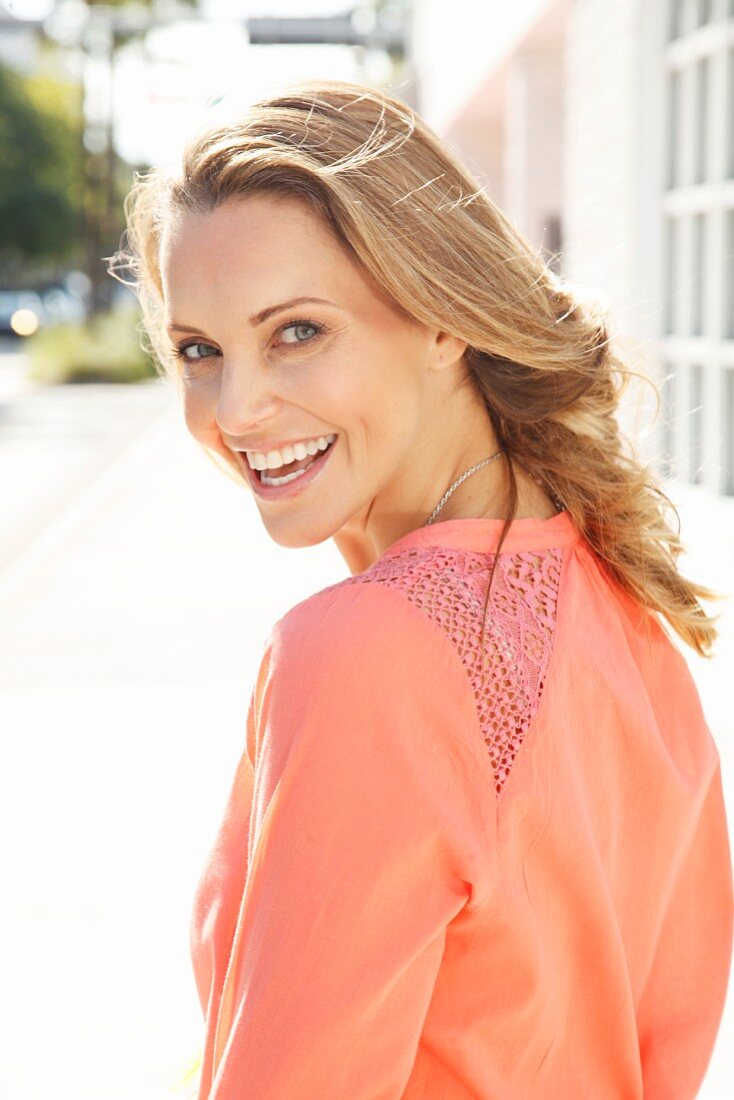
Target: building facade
606 131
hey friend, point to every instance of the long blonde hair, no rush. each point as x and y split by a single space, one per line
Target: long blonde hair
415 218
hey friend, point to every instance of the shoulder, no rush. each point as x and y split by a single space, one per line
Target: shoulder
392 601
358 651
358 665
402 642
355 626
355 644
433 598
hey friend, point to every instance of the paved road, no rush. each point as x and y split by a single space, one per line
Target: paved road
136 589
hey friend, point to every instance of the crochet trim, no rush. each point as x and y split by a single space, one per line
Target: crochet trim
449 585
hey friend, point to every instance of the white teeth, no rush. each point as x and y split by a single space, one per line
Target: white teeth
286 477
274 459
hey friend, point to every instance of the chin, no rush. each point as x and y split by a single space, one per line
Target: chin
296 536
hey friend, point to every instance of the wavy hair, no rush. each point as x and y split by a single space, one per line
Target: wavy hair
538 353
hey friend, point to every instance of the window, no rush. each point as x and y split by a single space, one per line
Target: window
729 112
552 242
698 274
667 424
696 456
729 277
727 434
701 72
670 266
697 247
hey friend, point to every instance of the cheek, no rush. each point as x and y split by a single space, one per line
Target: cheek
380 390
203 428
199 417
353 379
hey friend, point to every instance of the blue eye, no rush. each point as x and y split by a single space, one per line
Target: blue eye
181 352
304 332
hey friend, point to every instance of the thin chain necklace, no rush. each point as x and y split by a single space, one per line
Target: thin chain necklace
457 483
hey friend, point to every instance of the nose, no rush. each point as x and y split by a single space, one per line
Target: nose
244 398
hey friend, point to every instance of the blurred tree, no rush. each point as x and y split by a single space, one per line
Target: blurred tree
62 186
113 23
41 181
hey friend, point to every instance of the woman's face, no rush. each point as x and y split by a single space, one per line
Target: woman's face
283 338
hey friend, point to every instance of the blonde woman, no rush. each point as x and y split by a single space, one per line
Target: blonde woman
476 845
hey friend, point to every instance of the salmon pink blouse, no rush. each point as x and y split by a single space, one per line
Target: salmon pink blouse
442 878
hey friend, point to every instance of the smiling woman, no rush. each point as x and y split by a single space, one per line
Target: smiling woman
431 848
259 385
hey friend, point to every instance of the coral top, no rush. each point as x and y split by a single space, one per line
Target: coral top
436 882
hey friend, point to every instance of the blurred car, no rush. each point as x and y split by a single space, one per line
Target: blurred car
22 312
61 305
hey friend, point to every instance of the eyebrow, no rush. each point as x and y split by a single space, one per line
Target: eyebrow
258 318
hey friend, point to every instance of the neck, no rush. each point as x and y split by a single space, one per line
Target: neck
479 497
459 481
483 494
458 415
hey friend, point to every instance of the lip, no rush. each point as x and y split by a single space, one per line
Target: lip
291 488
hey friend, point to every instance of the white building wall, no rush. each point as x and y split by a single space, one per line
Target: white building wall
534 142
598 197
457 44
602 186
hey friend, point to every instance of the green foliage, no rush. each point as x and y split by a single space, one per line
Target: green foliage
104 349
40 184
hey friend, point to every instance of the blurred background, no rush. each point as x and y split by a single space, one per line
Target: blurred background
137 586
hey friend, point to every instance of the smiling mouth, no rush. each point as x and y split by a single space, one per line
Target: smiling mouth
292 470
289 471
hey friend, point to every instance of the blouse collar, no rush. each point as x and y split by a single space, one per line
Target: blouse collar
483 534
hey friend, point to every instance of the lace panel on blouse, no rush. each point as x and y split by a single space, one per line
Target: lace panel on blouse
450 586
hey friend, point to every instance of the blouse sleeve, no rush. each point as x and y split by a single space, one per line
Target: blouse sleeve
681 1007
359 851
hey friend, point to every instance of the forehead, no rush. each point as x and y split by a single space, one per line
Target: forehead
254 239
253 252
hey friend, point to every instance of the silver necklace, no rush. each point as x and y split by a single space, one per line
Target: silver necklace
457 483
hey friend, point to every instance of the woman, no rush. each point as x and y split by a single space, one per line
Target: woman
476 845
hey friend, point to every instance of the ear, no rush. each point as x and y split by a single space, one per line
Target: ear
446 350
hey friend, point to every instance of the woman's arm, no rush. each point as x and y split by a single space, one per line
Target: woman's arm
360 852
680 1009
